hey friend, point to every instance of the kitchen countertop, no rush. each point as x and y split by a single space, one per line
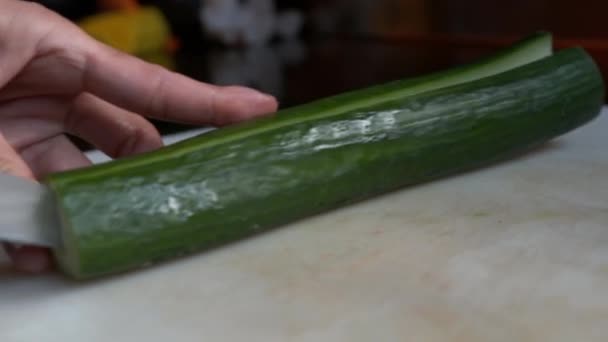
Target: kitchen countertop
513 252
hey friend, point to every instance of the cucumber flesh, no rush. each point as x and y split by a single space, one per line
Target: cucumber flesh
241 180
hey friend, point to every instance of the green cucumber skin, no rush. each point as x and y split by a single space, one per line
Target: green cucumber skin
232 183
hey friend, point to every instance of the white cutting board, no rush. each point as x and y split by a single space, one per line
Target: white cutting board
516 252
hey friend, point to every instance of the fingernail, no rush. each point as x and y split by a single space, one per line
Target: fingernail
249 93
263 99
239 104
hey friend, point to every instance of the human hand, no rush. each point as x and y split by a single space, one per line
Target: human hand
54 79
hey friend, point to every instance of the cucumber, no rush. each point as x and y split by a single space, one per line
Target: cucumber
241 180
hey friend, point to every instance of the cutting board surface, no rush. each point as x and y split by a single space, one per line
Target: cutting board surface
514 252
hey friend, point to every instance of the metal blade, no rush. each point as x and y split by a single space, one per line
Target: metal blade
27 213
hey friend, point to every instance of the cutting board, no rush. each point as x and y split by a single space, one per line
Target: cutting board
514 252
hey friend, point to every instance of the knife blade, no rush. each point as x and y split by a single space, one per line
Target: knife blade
27 213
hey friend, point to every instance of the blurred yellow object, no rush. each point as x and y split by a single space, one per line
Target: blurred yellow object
137 31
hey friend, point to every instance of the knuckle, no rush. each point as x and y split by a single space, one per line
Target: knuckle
125 145
157 102
136 135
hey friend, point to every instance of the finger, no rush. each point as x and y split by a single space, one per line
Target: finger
29 259
27 121
156 92
52 155
52 74
113 130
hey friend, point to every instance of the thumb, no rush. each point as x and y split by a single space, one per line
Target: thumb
25 258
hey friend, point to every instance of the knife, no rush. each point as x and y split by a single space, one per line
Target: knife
27 213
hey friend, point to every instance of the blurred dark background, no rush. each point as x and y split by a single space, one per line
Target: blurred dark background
301 50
